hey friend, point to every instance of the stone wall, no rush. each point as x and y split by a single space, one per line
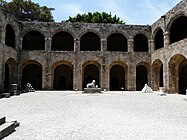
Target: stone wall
103 59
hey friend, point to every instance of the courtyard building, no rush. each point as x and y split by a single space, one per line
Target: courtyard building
67 56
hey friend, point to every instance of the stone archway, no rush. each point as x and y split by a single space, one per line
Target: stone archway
178 30
140 43
63 77
33 40
117 42
32 73
183 77
117 78
91 72
177 67
157 74
10 73
159 39
10 36
90 42
141 77
62 41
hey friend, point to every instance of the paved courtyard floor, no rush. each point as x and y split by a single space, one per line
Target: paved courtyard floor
52 115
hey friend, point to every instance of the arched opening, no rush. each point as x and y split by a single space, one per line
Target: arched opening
90 42
116 42
62 41
10 73
140 43
32 73
91 72
178 30
159 39
63 78
141 77
183 77
7 78
177 66
157 74
33 40
117 78
10 36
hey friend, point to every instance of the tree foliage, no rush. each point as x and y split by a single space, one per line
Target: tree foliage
95 17
26 10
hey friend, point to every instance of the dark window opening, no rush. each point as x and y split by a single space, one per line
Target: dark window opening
10 36
90 42
62 41
140 43
159 39
33 41
178 29
116 42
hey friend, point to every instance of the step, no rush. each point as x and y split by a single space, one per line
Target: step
7 95
2 120
7 128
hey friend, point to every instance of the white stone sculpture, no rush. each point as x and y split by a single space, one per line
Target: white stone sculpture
91 85
147 89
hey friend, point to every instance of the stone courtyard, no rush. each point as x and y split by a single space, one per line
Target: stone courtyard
68 115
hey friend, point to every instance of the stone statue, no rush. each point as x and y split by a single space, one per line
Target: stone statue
91 85
147 89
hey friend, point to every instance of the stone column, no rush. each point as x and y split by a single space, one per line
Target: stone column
2 35
76 45
2 71
48 44
105 71
130 45
20 46
103 45
166 38
77 77
131 77
46 74
166 76
151 46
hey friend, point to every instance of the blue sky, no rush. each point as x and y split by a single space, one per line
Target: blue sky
130 11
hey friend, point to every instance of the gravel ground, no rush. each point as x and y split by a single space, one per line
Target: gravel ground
52 115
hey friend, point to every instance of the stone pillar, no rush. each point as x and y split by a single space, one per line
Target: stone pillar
2 69
166 76
151 46
20 46
46 74
130 45
131 77
2 35
76 45
105 73
77 77
46 78
166 38
103 45
48 44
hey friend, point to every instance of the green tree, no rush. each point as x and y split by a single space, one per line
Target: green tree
26 10
95 17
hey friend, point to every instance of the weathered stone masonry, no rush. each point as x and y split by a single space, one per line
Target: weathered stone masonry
66 56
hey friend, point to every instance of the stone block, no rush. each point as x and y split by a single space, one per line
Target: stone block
92 90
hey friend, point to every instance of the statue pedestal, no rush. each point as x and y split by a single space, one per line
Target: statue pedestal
92 90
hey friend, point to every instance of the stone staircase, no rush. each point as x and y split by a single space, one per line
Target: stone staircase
6 128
